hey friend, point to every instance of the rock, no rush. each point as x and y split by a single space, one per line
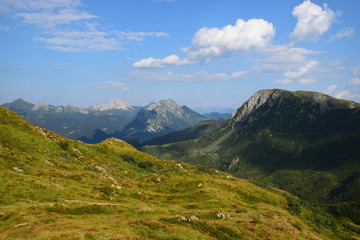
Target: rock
199 185
20 225
16 169
49 163
181 218
181 167
193 219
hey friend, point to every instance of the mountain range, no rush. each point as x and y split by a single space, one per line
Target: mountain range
56 188
304 142
93 124
307 143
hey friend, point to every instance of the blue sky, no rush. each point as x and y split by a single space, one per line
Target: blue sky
201 53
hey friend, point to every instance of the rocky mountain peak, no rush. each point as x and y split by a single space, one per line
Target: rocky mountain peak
164 104
269 96
113 104
293 105
41 105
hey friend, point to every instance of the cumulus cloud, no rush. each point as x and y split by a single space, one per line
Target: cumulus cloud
312 21
212 43
283 59
209 44
347 94
189 77
171 60
346 32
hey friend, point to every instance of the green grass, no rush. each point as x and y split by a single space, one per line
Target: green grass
71 190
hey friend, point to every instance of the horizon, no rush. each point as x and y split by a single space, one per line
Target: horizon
203 54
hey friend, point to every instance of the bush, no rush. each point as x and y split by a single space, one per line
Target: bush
128 158
294 205
64 145
145 164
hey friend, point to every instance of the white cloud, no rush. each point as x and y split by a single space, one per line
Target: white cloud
282 59
302 70
38 4
305 81
346 32
209 44
48 19
139 36
236 75
190 77
171 60
80 41
212 43
330 89
354 81
112 84
283 81
56 18
312 21
346 94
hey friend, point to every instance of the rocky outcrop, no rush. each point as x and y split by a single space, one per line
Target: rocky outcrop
285 109
159 118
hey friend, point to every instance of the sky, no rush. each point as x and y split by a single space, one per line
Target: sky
206 54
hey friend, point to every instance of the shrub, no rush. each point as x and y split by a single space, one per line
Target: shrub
145 164
294 205
128 158
64 145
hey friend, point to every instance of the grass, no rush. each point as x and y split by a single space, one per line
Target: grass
72 190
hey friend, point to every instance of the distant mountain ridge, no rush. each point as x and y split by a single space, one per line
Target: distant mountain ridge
307 143
76 121
93 124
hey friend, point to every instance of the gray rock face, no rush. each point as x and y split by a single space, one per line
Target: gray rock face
159 118
258 99
294 108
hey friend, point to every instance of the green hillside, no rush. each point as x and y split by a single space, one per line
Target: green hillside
304 142
55 188
197 130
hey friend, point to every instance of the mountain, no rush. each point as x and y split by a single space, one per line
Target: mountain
93 124
197 130
307 143
77 122
216 115
56 188
159 118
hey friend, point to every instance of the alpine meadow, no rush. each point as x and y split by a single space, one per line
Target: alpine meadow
179 120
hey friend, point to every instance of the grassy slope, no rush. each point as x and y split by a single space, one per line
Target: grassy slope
54 188
319 165
197 130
